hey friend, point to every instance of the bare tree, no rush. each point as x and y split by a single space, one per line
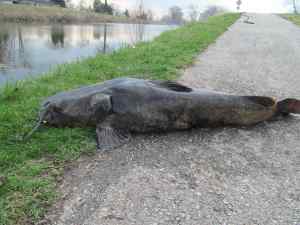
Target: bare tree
211 11
176 15
117 11
140 13
150 15
238 4
295 7
194 12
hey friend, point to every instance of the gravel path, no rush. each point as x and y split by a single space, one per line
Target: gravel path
245 176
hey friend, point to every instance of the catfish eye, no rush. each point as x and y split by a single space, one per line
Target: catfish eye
56 109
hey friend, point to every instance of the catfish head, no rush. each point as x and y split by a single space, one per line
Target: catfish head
73 111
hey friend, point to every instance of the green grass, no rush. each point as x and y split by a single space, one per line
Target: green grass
31 167
295 18
53 14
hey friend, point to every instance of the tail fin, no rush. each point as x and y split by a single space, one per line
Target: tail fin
288 106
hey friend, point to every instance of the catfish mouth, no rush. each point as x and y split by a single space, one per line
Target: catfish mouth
54 117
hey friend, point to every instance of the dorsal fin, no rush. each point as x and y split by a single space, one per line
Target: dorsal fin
172 85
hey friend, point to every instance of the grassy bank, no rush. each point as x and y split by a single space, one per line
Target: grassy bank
295 18
29 169
52 14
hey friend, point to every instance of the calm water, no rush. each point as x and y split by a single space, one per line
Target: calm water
29 50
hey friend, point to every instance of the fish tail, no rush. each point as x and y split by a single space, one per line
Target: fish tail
288 106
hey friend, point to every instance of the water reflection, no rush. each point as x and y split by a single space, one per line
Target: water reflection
34 49
12 50
58 36
4 36
137 32
104 39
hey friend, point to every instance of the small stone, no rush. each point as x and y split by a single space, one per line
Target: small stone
225 202
43 222
3 180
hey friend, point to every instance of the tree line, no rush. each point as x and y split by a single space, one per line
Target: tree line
175 14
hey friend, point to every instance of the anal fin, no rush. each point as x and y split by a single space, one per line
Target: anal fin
109 138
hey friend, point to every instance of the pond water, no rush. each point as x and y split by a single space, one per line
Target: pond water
30 50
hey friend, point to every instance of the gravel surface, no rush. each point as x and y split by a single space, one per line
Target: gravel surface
224 176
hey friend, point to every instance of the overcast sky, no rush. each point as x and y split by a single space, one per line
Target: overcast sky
161 6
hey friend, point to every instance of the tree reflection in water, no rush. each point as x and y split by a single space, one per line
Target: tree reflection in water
137 32
12 49
4 36
32 49
102 34
57 36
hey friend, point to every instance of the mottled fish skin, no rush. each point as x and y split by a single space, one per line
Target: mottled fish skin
146 106
119 107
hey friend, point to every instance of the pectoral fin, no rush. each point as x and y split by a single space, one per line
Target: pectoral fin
109 138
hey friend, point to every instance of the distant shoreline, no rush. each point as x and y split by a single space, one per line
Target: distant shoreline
55 14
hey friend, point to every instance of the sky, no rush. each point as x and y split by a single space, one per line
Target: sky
160 7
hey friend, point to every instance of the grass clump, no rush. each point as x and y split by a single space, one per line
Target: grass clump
30 168
295 18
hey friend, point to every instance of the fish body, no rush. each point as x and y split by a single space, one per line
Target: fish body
123 106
